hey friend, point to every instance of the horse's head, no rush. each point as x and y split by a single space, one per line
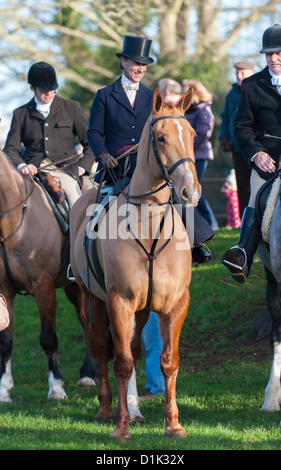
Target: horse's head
172 140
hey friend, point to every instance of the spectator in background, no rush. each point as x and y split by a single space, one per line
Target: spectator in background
229 188
202 120
171 91
227 139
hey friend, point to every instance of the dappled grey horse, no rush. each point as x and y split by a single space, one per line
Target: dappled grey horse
270 251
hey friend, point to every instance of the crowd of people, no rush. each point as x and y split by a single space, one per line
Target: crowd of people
46 129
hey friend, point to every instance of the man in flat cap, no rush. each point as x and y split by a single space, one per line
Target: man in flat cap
259 115
46 129
228 142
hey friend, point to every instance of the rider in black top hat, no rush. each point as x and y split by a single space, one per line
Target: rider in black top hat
117 118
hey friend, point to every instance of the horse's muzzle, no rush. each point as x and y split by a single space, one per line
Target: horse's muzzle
190 198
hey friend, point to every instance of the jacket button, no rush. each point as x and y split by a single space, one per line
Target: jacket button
133 126
133 140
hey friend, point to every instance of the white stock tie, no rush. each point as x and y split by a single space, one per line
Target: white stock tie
276 81
131 90
43 109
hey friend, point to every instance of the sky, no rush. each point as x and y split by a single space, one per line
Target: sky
14 93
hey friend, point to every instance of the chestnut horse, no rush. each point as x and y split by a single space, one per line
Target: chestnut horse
141 271
31 253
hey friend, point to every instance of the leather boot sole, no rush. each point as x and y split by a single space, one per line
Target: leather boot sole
234 260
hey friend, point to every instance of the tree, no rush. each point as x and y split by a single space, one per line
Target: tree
70 34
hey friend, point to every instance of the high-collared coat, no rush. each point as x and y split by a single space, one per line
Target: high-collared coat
114 123
32 138
259 113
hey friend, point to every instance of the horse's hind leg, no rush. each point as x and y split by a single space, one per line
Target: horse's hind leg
88 370
132 397
103 351
46 300
6 348
273 390
170 326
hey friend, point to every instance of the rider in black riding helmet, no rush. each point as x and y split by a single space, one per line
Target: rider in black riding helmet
259 117
47 128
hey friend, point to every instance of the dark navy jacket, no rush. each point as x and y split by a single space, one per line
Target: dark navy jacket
113 122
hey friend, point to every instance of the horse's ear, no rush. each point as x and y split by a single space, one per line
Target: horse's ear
157 101
186 100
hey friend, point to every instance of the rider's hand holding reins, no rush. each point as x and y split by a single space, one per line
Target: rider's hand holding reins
264 162
108 160
27 169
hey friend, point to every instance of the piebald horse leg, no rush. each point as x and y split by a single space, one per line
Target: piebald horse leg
273 390
122 324
46 300
88 370
102 351
170 326
6 348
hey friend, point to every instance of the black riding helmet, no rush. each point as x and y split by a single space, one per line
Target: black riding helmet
271 39
43 76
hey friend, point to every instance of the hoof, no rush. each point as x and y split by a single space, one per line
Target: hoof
175 433
270 409
136 420
86 382
105 419
5 399
53 395
121 437
56 390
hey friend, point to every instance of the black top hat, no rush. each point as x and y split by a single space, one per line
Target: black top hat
271 39
42 75
137 49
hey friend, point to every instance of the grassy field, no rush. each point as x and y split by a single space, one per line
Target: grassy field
220 387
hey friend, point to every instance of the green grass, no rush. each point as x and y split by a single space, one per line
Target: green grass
220 386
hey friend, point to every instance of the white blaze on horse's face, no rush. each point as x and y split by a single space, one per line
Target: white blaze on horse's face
180 133
190 190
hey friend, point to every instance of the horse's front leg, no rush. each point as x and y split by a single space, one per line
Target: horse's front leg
45 296
122 323
6 348
170 326
273 390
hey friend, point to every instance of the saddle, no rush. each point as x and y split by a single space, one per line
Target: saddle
265 203
56 198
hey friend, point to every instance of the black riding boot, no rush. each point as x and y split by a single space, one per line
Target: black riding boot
238 259
202 233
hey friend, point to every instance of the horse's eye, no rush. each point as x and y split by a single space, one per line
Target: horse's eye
161 139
